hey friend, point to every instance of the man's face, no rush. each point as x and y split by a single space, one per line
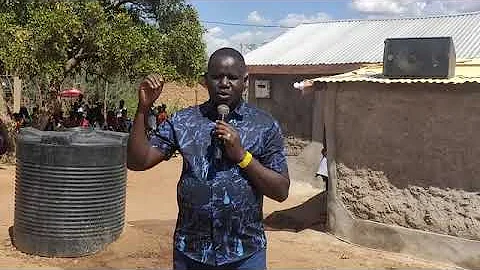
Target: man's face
226 81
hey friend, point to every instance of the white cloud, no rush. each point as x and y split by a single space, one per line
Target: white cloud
294 19
379 7
255 18
214 40
413 7
448 6
215 31
252 39
255 37
246 41
247 36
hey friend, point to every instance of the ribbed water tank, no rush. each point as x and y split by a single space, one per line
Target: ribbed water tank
69 191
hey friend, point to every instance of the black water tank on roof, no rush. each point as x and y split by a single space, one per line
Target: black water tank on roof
69 191
427 57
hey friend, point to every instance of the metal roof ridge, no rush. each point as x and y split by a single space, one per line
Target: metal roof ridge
395 19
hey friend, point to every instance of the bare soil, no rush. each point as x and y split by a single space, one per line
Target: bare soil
182 96
294 146
151 213
368 194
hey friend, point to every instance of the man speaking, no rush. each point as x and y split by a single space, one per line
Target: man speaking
233 155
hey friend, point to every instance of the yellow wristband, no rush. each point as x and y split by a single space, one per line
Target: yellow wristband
247 158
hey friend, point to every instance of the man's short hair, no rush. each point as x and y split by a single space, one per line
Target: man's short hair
222 52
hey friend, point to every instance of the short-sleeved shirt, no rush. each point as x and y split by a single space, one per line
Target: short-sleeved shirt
220 211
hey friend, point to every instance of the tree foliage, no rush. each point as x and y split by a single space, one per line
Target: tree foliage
48 42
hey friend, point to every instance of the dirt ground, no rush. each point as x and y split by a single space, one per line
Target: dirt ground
151 212
182 96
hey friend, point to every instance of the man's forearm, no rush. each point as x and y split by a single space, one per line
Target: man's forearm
270 183
138 147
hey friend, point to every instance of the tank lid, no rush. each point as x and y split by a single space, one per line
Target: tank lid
74 136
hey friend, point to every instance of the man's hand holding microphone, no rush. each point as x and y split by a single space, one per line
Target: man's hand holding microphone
231 140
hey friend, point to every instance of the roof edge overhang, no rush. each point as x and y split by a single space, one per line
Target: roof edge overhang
322 69
470 73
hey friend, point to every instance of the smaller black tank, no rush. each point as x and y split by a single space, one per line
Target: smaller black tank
69 191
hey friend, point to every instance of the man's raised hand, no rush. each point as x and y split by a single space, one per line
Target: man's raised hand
149 90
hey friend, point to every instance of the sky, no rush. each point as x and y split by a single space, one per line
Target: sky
258 22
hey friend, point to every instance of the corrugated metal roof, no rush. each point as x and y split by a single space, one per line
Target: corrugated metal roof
362 41
465 72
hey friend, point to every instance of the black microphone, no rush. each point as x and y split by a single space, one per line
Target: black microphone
222 111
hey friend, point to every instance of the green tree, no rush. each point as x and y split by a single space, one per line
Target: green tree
48 43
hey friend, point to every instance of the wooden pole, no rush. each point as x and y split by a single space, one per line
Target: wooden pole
196 95
3 103
105 102
17 94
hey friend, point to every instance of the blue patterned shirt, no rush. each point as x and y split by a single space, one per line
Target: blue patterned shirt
220 211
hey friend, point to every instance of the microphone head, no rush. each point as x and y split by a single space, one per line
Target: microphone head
223 109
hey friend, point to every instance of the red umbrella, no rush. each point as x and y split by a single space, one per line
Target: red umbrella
70 93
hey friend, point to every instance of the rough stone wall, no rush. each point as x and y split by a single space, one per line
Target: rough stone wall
369 195
407 154
417 134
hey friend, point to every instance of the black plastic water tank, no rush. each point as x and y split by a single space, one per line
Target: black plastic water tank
69 191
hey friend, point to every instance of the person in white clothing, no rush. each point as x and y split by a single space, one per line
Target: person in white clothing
322 168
